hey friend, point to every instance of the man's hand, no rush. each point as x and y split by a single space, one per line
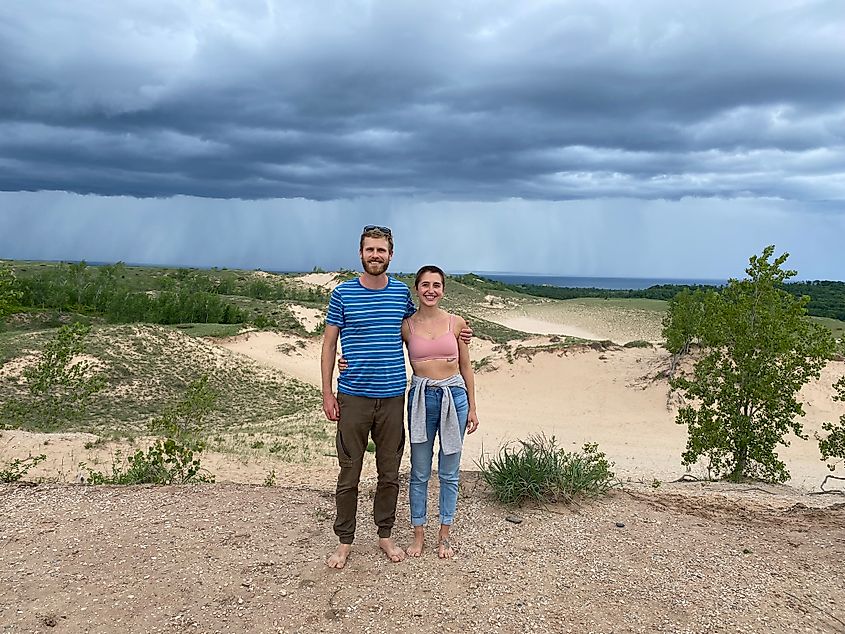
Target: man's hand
330 407
342 364
466 334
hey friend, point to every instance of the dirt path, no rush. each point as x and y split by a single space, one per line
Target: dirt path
239 558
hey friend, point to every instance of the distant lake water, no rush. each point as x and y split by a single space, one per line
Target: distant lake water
611 283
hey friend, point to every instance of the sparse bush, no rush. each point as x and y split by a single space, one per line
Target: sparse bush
637 343
261 321
164 462
59 390
270 478
183 420
538 470
482 365
18 468
173 459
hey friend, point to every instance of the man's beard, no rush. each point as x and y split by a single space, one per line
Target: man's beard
374 268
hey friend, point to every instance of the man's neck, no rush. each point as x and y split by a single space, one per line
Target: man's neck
373 282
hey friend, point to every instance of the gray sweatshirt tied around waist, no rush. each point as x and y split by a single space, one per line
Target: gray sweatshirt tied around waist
450 429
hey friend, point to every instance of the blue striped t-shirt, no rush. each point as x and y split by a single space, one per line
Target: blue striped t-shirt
370 323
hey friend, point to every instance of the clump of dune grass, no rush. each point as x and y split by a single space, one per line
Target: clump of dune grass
638 343
538 470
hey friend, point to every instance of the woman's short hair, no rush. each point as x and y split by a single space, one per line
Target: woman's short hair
429 268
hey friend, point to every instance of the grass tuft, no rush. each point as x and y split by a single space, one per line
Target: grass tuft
540 471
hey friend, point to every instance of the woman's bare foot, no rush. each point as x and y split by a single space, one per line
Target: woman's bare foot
393 552
444 546
416 547
338 558
445 550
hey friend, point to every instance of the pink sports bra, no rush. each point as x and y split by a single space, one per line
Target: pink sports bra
424 349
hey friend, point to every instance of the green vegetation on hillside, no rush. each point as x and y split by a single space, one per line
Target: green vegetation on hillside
117 293
145 368
827 298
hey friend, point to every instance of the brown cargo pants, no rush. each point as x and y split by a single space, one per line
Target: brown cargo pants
359 418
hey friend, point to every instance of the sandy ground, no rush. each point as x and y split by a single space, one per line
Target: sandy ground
581 395
575 319
239 558
310 318
324 280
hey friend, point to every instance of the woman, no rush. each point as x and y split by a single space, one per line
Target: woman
441 402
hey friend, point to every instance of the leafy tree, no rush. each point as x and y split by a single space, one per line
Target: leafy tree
59 389
833 445
684 322
759 349
10 295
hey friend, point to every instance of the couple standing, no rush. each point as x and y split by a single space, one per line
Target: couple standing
373 315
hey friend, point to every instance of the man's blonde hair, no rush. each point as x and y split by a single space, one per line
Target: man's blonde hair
377 232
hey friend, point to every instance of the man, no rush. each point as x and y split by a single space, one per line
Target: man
367 313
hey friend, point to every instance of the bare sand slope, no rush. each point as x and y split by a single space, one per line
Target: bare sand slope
585 319
295 356
581 395
248 559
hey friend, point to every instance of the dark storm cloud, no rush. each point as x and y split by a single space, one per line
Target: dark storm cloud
472 101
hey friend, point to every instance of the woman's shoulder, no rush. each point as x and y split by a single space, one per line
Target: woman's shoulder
458 322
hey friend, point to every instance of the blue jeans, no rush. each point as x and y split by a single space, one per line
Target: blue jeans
448 467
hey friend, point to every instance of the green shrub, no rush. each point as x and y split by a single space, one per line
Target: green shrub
270 478
537 469
637 343
173 459
183 420
17 469
165 462
58 389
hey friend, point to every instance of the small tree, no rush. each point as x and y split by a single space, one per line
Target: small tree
174 459
10 295
759 350
59 389
833 445
684 322
183 421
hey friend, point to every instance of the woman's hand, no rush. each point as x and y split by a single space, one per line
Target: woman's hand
472 422
342 364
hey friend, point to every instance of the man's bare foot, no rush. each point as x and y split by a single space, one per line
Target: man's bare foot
393 552
416 547
338 558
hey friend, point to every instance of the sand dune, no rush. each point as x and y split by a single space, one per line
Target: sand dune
579 395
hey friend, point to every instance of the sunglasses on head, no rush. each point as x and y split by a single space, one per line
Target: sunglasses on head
385 230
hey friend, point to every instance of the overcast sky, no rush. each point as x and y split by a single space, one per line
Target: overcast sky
646 138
